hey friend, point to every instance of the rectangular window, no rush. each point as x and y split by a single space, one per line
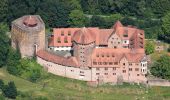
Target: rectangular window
97 73
130 64
110 63
115 63
106 68
114 68
99 63
97 68
136 69
105 73
94 63
130 69
104 63
124 71
125 35
114 73
137 74
82 72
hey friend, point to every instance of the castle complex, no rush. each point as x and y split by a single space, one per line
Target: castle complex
99 55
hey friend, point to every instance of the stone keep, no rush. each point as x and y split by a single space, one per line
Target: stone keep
28 35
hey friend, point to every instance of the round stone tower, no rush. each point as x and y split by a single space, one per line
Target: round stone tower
28 35
83 45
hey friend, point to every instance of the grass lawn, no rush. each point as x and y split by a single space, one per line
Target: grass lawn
59 88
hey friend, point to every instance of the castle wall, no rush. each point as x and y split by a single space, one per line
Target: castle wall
104 74
66 71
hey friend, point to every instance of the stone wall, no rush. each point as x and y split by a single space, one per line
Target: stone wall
158 82
65 71
28 39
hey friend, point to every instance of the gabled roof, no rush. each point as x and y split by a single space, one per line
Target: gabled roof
84 36
117 24
103 36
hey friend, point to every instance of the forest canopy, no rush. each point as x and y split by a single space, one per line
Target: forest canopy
145 14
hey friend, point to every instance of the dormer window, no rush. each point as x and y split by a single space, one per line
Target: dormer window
113 55
125 35
65 40
58 40
62 33
69 33
102 55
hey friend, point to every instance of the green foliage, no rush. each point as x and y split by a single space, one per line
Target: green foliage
4 45
1 84
165 35
54 12
73 4
27 69
3 10
161 68
149 47
110 20
12 62
97 21
2 97
166 24
10 90
77 18
159 7
30 70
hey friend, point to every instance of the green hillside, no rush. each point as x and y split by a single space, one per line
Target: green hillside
59 88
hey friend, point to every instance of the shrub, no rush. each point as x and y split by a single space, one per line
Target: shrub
10 90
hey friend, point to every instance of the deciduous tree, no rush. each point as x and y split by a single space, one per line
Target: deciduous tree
161 68
77 18
149 47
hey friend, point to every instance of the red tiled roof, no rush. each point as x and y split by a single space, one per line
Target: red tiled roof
100 36
115 55
121 31
62 37
103 36
71 61
84 36
117 24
